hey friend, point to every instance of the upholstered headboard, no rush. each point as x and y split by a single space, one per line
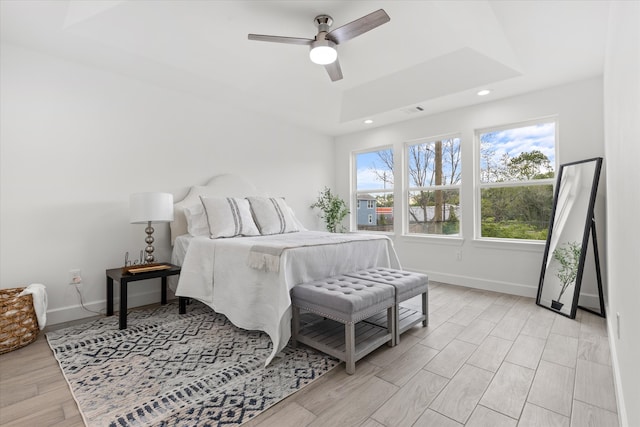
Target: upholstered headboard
227 185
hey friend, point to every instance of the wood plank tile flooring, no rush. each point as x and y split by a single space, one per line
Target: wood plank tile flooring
486 359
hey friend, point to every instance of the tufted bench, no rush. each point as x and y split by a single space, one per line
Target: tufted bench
407 285
343 302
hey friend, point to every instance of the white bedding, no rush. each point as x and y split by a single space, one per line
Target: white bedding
217 272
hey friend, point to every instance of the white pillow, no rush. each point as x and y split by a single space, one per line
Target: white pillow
179 225
197 224
272 215
229 217
225 185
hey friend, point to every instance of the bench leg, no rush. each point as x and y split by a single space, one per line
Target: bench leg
350 347
393 324
425 310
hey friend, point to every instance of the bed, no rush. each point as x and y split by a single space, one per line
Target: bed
248 278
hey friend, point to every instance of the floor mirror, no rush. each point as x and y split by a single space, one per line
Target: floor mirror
571 226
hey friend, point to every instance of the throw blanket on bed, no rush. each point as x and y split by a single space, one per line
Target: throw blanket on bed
267 257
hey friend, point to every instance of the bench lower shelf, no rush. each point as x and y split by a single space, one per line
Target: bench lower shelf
408 318
328 336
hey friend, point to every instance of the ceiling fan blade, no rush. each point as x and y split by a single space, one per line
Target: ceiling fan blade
334 70
279 39
359 26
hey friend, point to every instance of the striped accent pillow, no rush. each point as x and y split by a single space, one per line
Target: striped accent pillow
272 215
229 217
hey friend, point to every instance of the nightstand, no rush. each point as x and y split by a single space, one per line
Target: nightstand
125 279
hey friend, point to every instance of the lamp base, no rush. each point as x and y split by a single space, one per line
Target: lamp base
149 258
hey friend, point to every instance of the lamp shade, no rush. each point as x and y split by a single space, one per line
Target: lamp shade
155 207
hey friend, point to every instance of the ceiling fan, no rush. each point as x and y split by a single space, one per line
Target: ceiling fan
323 46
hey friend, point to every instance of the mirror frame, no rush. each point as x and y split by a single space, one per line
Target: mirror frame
589 228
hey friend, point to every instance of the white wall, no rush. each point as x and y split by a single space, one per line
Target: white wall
76 141
622 148
512 268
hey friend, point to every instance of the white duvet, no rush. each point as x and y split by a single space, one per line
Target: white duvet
218 273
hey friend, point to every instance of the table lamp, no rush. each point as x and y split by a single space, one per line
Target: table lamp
148 208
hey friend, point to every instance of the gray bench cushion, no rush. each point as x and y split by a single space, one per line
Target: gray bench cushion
407 284
343 298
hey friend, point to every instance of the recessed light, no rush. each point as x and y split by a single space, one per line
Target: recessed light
368 122
484 92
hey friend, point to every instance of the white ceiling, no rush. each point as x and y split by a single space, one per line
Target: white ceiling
435 54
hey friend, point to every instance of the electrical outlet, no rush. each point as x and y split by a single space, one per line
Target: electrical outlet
459 256
75 277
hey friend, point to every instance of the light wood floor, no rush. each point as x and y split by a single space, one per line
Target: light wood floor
486 359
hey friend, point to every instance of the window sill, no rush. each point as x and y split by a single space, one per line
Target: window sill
511 244
433 239
385 233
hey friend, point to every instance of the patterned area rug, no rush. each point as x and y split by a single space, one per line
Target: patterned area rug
195 369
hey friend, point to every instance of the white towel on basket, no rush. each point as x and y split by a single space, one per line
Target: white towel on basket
39 293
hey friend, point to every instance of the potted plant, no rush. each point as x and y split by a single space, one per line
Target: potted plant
333 210
568 256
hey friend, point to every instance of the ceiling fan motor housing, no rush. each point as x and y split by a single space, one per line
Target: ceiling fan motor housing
323 22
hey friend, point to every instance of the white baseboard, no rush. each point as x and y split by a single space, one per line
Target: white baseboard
617 383
587 300
96 308
486 285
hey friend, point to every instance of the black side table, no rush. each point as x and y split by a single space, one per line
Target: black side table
124 279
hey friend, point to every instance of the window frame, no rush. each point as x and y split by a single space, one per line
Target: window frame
479 185
354 188
408 188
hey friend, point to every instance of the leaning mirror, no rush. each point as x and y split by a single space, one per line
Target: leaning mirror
571 225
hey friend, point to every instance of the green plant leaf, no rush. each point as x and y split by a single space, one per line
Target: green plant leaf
332 209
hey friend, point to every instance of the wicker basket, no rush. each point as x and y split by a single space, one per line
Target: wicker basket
18 322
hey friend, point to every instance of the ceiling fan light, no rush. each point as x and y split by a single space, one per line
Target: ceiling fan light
323 52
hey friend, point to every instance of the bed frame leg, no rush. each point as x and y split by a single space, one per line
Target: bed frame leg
182 305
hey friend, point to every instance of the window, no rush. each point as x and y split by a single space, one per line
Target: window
434 186
374 184
517 168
